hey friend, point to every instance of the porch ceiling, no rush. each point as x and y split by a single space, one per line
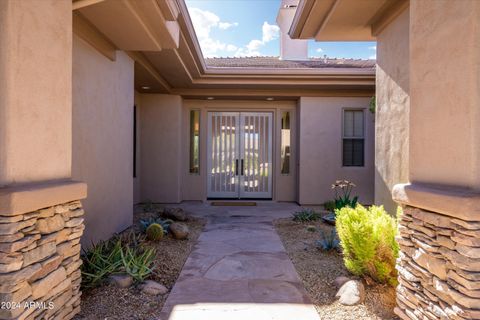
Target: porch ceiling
343 20
168 58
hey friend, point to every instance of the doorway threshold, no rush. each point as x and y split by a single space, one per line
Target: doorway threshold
233 203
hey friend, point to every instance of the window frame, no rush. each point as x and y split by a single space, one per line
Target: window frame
190 141
344 110
290 112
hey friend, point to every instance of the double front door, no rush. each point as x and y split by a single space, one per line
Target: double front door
239 154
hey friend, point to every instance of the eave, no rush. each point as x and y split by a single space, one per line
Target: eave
178 67
344 20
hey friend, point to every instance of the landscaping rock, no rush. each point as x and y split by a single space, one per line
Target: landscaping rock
121 280
340 281
179 230
351 293
175 214
153 288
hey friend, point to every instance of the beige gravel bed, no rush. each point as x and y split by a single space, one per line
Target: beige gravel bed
319 269
110 302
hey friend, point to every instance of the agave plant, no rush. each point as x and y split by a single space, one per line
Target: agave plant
328 241
305 215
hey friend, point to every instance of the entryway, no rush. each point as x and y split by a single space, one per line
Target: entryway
239 155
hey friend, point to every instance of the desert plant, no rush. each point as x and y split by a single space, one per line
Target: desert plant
329 206
165 223
114 256
367 237
328 241
149 206
138 264
343 190
305 215
311 228
155 232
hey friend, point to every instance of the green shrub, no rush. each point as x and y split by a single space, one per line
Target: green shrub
311 228
367 237
329 206
114 256
155 232
305 215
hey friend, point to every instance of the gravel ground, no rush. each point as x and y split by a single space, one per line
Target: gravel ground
319 269
110 302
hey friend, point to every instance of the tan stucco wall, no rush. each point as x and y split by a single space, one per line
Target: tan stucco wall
103 98
320 139
160 136
194 186
136 181
445 93
392 110
35 90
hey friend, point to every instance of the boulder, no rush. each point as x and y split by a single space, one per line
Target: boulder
179 230
340 281
153 288
176 214
351 293
121 280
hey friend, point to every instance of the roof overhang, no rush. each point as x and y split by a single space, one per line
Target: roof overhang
169 59
343 20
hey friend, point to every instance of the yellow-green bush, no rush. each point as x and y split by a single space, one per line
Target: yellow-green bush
367 237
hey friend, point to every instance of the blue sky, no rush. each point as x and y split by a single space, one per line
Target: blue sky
248 28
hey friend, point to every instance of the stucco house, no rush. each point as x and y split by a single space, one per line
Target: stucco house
117 97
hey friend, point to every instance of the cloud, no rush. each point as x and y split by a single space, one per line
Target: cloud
270 32
204 21
374 57
373 48
226 25
319 50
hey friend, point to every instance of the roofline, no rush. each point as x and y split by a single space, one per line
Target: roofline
188 31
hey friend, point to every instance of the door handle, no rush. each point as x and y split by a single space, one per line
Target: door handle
242 168
236 167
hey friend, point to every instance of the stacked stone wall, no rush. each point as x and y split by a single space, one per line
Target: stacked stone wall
40 263
439 266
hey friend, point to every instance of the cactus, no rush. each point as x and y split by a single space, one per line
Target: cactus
155 232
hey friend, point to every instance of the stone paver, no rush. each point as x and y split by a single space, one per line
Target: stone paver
239 269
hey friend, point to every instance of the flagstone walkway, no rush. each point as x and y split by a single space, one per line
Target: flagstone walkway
239 269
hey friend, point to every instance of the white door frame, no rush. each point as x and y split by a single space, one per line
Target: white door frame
229 173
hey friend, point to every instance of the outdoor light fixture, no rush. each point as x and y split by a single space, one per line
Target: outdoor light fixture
210 98
145 87
270 99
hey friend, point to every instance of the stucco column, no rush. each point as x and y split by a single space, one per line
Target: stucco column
440 230
40 215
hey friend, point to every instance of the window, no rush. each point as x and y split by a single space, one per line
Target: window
195 141
353 138
285 143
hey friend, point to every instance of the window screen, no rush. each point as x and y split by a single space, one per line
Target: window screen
353 138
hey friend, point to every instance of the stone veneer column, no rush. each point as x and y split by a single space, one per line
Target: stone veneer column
40 215
439 264
40 230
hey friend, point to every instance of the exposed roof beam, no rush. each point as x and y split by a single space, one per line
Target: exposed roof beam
85 30
295 93
84 3
327 17
140 59
387 15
